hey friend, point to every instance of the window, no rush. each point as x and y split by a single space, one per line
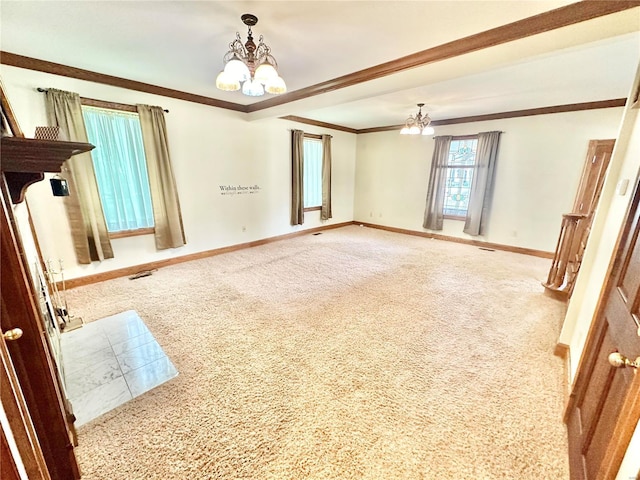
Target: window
461 160
312 153
121 169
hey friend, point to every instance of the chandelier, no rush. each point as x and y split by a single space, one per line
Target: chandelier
418 125
252 66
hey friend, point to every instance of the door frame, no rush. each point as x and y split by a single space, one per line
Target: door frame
630 412
19 421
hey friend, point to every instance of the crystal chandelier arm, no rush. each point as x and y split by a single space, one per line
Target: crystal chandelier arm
263 53
235 48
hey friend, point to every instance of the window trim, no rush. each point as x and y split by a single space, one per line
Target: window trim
122 107
454 138
132 233
313 136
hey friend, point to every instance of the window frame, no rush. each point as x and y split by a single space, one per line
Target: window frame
454 138
122 107
314 136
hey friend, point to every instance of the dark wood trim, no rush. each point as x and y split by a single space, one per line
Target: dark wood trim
29 355
25 159
571 107
9 113
315 136
466 241
544 22
317 123
29 63
132 233
127 271
623 432
123 107
630 412
19 420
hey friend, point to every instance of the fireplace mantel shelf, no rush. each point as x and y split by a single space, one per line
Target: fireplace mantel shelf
26 160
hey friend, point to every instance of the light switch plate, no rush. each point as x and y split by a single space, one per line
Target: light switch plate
621 188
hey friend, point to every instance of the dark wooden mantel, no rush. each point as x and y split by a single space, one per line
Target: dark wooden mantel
25 160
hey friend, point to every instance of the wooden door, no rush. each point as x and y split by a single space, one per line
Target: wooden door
605 403
595 167
20 426
29 355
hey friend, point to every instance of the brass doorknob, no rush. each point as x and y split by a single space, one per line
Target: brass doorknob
616 359
13 334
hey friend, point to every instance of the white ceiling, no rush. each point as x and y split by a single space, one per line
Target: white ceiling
180 44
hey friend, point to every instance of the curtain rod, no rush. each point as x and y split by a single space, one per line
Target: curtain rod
112 105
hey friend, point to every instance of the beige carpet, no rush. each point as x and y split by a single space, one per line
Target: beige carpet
354 354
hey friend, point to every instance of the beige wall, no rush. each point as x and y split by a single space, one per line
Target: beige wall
539 166
608 219
538 172
209 147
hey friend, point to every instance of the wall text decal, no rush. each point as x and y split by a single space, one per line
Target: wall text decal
239 189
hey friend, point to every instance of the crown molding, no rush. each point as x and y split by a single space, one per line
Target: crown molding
561 17
571 107
318 123
20 61
544 22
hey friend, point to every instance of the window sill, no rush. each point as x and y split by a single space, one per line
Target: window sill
454 217
311 209
131 233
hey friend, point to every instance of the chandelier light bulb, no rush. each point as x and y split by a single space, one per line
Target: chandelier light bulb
276 86
265 73
251 65
253 88
226 82
428 131
237 69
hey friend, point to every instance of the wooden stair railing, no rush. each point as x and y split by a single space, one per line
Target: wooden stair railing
566 262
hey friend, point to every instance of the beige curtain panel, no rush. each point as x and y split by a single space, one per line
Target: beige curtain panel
325 212
482 185
169 231
83 206
297 177
433 213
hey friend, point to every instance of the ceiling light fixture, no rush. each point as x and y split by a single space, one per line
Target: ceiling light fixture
252 66
418 125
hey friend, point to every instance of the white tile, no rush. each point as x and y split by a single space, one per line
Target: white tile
121 332
78 359
133 342
145 378
140 356
83 342
120 321
100 400
91 376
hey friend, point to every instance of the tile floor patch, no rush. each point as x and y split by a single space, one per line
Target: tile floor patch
110 361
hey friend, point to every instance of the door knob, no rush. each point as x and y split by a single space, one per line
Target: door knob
616 359
13 334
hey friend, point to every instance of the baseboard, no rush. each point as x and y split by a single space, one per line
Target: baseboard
466 241
563 351
127 271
